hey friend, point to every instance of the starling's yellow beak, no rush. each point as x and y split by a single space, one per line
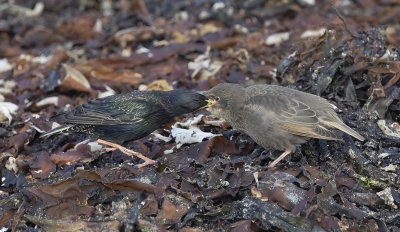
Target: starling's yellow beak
210 102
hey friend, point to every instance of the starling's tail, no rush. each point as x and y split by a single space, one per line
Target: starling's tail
56 130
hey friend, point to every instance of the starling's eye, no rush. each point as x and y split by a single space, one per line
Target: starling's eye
216 98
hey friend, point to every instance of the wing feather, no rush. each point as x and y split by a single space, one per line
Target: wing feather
292 115
123 109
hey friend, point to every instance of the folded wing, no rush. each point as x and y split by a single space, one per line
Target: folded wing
124 109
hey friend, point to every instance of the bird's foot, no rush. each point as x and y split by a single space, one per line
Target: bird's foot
110 149
215 122
284 154
147 161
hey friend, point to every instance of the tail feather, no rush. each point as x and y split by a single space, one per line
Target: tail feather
56 130
335 122
343 127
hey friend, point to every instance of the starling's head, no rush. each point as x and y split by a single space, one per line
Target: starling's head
185 101
225 98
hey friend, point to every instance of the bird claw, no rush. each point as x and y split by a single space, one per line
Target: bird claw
146 162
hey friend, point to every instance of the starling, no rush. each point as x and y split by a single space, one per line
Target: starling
123 117
275 116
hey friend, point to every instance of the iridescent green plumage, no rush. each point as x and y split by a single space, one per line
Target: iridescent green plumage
129 116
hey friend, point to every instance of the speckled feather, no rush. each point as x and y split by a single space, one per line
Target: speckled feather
276 116
129 116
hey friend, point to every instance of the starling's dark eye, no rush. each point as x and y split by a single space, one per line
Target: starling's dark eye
216 98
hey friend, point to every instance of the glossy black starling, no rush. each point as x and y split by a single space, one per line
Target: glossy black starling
123 117
275 116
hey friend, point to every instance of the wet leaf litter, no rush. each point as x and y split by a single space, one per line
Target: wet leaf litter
221 183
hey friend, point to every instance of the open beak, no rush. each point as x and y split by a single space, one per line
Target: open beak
210 102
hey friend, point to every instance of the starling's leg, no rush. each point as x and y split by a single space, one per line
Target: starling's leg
124 150
214 122
284 154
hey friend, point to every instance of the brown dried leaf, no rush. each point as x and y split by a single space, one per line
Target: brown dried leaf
39 36
220 145
135 34
315 172
189 191
201 151
326 222
73 225
162 85
344 181
223 43
228 177
80 154
155 55
79 28
6 216
64 199
70 209
17 141
74 80
132 185
108 74
41 166
280 188
150 206
172 212
190 229
244 226
59 54
162 185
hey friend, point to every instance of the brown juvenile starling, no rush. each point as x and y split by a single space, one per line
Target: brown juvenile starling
275 116
123 117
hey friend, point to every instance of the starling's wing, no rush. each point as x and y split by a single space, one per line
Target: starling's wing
299 119
113 110
290 114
